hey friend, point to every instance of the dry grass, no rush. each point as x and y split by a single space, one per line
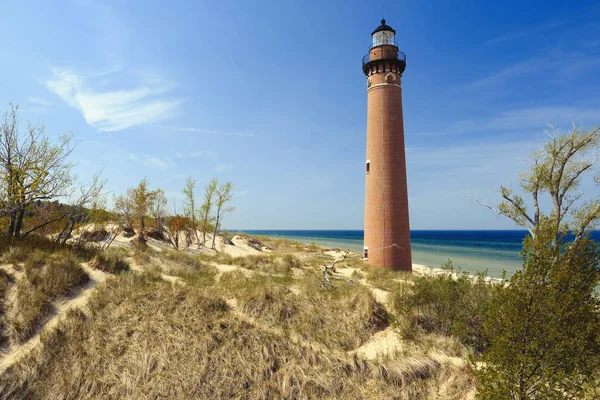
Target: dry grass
341 319
6 281
384 278
47 276
109 262
145 338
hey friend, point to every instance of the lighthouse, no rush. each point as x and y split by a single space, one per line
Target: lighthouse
387 228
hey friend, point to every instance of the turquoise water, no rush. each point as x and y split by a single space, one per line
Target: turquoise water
472 251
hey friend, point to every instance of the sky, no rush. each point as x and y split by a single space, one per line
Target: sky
270 95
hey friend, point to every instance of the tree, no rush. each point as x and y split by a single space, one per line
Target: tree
557 171
542 327
32 168
223 196
158 210
190 207
176 226
77 211
206 220
137 203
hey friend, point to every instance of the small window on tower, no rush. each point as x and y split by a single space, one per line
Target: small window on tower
368 166
366 254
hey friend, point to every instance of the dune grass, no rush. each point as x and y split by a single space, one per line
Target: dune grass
110 262
47 276
341 319
146 338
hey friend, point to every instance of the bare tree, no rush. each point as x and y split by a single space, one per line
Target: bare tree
329 271
206 219
223 196
77 211
556 170
32 168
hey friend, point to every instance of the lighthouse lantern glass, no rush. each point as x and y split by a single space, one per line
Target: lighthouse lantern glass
383 37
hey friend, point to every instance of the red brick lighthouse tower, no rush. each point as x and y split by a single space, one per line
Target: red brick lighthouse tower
387 229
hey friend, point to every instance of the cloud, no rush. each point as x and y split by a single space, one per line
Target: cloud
149 161
529 118
108 104
222 167
198 154
38 101
213 132
521 33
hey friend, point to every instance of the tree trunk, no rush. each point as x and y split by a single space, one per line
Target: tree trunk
141 234
19 222
11 225
216 229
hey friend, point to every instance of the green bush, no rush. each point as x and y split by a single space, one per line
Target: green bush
543 328
449 304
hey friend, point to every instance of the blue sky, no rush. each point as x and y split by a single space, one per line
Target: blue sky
270 95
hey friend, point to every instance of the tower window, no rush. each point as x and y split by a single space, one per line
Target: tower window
366 253
368 166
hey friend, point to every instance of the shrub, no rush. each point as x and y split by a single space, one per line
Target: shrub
543 328
62 275
446 304
109 262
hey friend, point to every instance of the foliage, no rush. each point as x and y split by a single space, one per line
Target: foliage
557 171
449 304
190 211
223 196
176 228
543 328
206 219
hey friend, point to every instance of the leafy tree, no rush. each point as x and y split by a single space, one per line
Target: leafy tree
137 204
158 210
32 168
557 171
177 225
190 207
542 328
223 196
206 220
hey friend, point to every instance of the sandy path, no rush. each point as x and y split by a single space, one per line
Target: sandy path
17 352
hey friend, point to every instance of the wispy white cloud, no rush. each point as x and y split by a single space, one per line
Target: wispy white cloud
41 102
522 33
149 161
529 118
213 132
222 167
198 154
110 108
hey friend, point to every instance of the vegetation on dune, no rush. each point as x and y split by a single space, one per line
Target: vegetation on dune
138 325
109 262
340 319
47 276
542 329
446 305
